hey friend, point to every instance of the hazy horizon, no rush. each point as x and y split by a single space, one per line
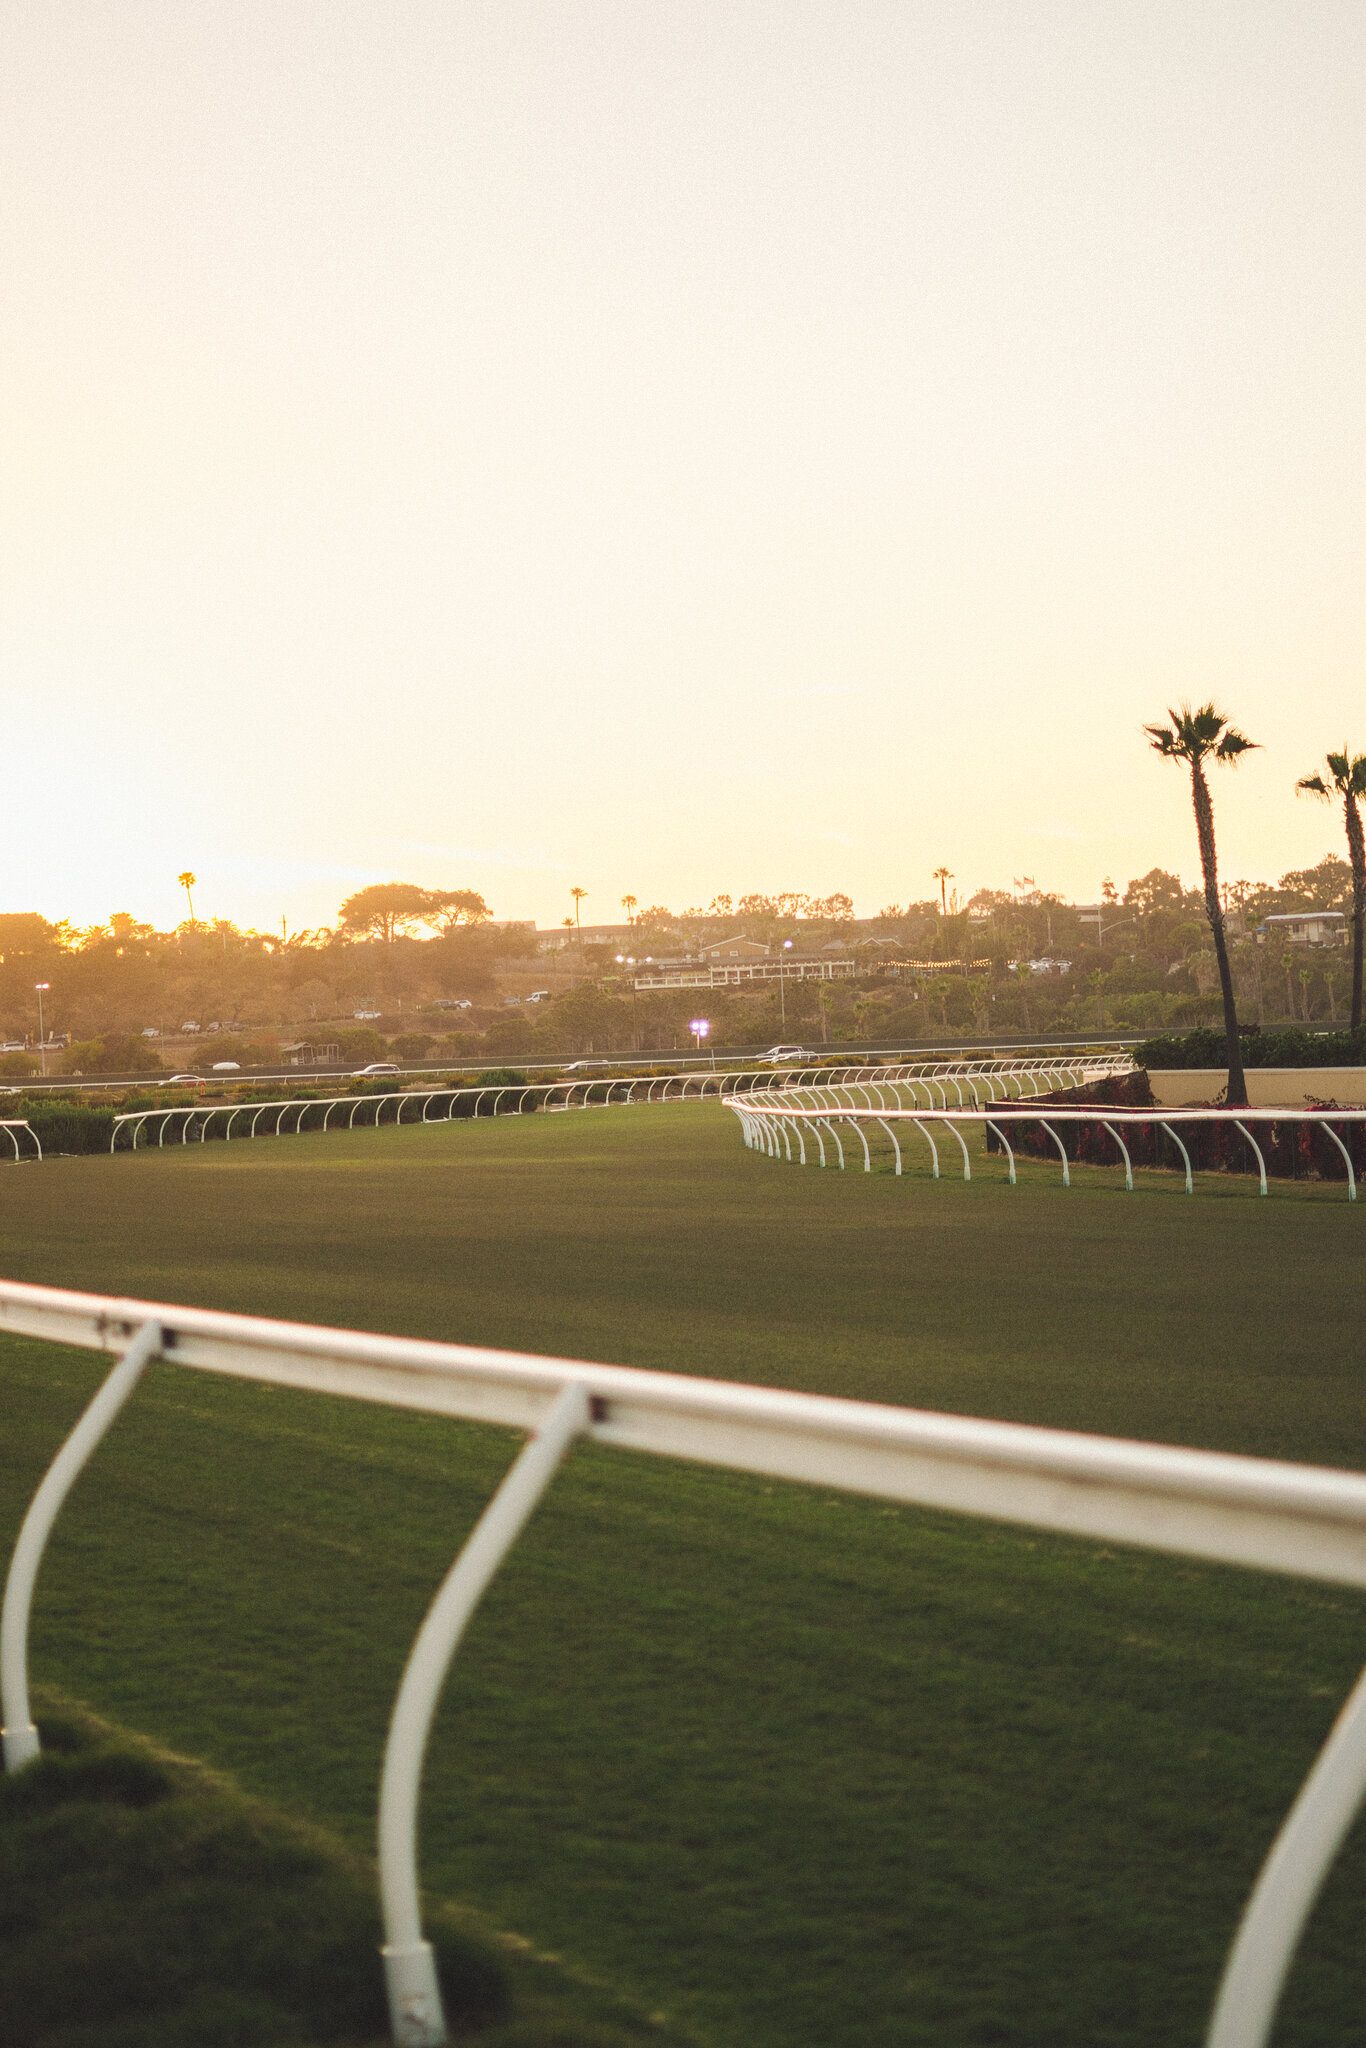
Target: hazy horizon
670 450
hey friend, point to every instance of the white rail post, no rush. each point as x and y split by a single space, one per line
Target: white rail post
1261 1163
415 2011
21 1743
1290 1880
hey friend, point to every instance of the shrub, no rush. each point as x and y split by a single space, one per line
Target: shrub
116 1052
69 1126
1288 1048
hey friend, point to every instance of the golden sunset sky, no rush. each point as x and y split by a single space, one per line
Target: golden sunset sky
669 446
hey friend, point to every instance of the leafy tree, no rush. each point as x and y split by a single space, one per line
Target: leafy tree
115 1052
1193 738
1346 781
23 932
449 908
384 911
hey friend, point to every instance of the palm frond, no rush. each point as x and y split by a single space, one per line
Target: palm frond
1313 785
1233 744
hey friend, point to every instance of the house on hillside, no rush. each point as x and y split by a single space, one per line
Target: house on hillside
721 951
1306 928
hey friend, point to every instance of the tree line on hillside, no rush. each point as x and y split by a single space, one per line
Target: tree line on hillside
1156 958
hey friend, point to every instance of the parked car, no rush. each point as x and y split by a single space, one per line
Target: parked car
13 1045
150 1031
375 1067
539 995
366 1016
226 1067
788 1055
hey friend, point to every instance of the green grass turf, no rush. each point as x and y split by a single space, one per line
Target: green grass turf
146 1903
791 1767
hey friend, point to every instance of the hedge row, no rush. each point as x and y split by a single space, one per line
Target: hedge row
1291 1048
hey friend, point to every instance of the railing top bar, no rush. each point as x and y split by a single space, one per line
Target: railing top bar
779 1077
1029 1110
1260 1513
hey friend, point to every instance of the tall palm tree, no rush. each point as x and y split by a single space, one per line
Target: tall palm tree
1196 737
187 882
1346 778
943 876
578 896
628 904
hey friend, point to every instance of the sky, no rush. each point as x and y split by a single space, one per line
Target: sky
669 446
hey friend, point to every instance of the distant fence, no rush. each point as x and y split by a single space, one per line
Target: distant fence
1253 1512
200 1122
789 1119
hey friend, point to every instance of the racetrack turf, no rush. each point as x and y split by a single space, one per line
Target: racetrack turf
792 1767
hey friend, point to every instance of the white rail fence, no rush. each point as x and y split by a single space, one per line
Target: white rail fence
778 1125
1252 1512
196 1122
22 1137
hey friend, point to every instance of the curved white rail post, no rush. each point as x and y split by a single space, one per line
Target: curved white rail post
1128 1163
1185 1155
1261 1162
1010 1156
1329 1132
20 1736
934 1149
1062 1152
409 1968
1290 1881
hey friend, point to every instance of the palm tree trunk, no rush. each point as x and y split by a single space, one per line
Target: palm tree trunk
1357 851
1236 1092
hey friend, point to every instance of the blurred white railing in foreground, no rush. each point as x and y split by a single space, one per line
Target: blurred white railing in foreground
1241 1511
195 1122
771 1126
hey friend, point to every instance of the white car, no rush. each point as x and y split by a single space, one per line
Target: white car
788 1055
184 1081
226 1067
375 1067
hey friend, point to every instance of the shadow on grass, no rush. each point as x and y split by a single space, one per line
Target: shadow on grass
145 1902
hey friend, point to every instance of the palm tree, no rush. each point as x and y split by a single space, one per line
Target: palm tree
187 882
943 876
578 896
1346 778
1196 737
628 904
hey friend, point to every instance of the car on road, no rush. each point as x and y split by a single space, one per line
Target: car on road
375 1067
226 1067
184 1081
788 1055
583 1066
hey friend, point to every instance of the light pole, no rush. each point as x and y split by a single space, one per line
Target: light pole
700 1028
629 960
42 1035
782 984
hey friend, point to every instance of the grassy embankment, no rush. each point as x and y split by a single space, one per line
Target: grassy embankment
792 1767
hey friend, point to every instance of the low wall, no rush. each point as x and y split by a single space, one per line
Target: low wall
1267 1087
